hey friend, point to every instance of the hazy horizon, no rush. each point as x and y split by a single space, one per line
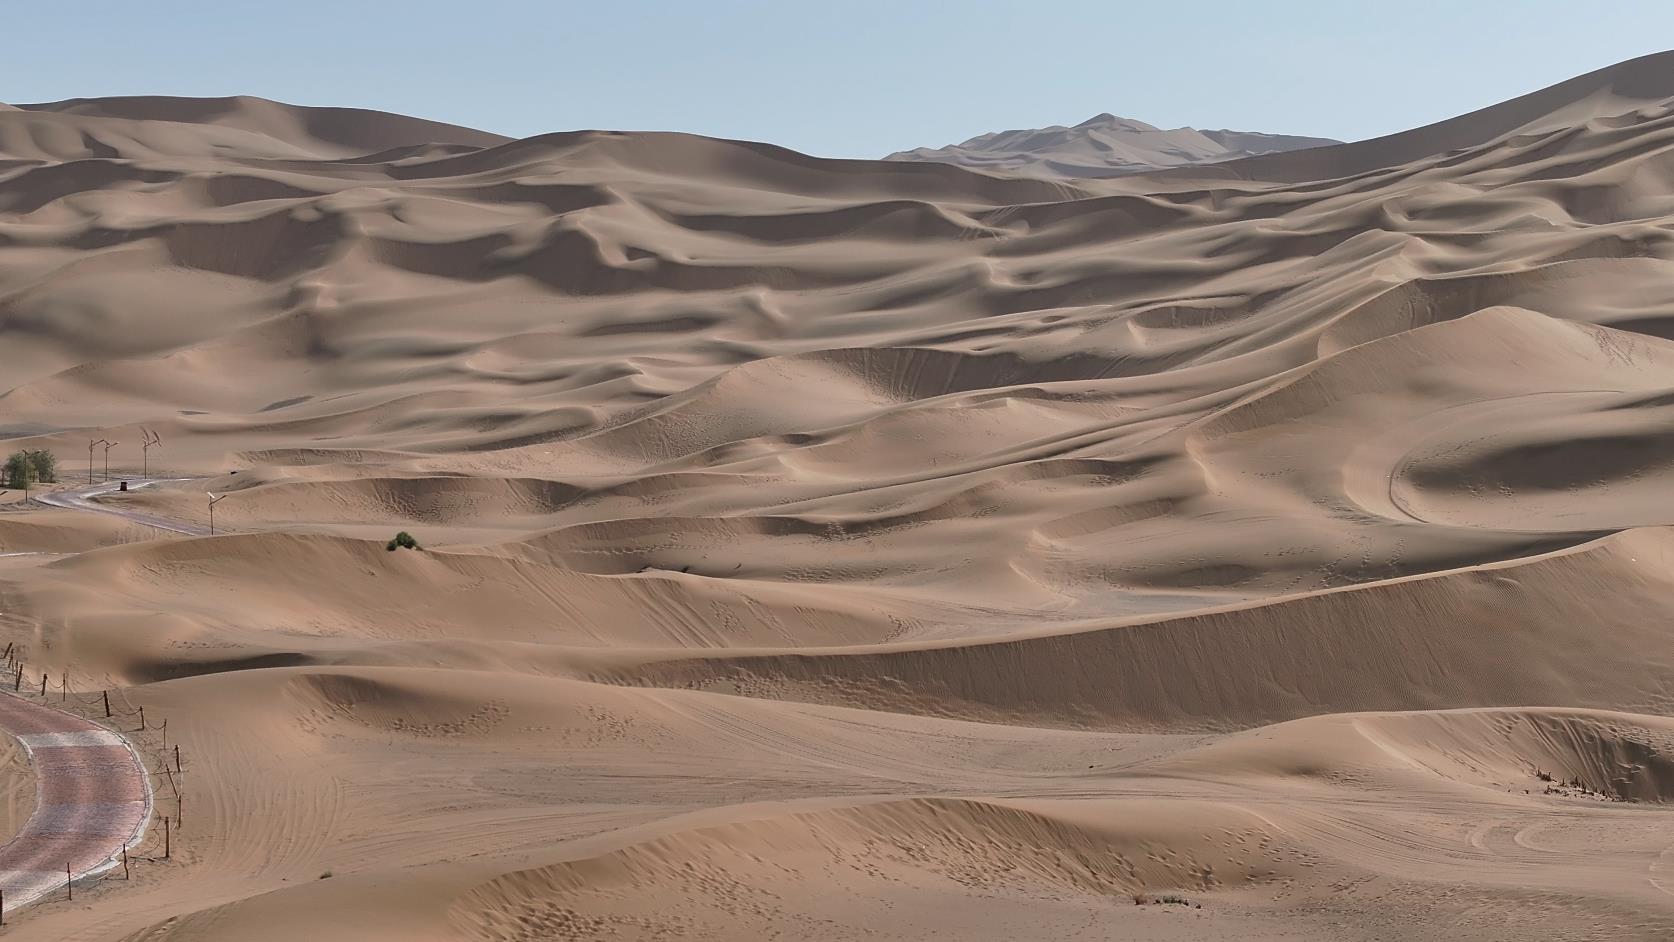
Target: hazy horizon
863 81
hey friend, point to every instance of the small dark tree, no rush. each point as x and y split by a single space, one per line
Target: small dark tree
403 540
45 465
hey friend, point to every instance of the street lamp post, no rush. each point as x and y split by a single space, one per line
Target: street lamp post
90 447
108 447
151 438
213 500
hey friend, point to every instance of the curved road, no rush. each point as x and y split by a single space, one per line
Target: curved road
92 792
92 800
80 498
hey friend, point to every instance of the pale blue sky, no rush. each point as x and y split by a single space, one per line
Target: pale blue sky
848 78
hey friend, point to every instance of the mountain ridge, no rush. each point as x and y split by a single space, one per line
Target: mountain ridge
1105 145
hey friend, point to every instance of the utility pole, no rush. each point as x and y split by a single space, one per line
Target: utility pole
151 438
90 447
108 447
213 500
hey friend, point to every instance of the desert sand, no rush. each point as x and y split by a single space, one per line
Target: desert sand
1277 548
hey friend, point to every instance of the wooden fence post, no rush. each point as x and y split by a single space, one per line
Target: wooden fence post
64 687
177 757
124 863
142 718
107 703
43 685
166 838
69 887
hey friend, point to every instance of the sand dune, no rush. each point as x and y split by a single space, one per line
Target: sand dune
1456 639
1274 548
323 132
1622 95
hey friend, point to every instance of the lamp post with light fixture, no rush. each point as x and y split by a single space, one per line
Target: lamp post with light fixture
90 447
151 438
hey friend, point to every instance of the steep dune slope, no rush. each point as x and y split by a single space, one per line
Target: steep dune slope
1510 634
1628 91
856 549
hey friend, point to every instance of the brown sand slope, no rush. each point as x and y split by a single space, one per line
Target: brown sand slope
1617 95
842 549
354 131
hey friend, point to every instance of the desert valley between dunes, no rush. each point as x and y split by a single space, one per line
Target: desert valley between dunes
1273 548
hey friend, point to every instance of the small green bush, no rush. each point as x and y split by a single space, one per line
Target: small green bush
403 540
29 467
19 472
45 465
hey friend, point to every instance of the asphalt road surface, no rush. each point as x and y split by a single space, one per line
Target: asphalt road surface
81 498
92 799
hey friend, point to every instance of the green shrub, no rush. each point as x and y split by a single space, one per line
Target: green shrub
403 540
30 467
45 465
20 472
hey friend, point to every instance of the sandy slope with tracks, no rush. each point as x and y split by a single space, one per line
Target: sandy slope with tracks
850 549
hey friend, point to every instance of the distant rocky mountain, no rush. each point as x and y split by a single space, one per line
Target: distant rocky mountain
1104 146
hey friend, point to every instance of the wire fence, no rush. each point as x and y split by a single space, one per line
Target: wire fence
32 675
110 707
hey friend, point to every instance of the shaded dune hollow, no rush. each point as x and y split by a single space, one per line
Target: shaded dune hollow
1266 548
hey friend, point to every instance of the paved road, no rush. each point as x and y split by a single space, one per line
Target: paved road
92 799
81 498
92 793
